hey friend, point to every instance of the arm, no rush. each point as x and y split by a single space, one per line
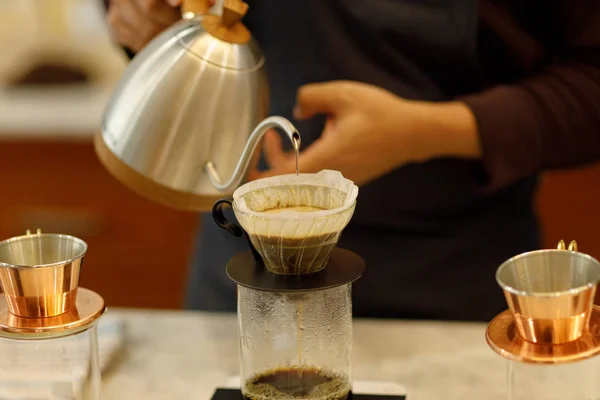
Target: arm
546 121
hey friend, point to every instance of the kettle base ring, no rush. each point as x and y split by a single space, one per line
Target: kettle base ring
146 187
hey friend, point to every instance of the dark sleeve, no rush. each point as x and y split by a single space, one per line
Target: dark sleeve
552 119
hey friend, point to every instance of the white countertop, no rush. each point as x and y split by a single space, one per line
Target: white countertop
185 355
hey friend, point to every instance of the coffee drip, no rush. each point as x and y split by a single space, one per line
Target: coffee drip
294 286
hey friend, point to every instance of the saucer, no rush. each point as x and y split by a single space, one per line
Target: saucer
89 306
503 338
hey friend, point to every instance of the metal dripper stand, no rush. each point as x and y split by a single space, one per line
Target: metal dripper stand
294 286
551 332
48 337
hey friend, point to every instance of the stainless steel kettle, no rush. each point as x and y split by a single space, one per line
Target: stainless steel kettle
185 120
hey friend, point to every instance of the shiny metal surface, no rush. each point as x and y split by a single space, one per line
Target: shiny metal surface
503 337
550 293
186 101
88 308
244 161
39 273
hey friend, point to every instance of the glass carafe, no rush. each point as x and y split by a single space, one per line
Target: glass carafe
299 341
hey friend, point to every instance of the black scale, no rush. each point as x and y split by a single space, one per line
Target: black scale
235 394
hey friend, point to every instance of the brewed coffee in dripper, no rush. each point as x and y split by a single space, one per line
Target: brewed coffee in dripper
295 221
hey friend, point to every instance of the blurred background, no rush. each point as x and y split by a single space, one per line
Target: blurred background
57 68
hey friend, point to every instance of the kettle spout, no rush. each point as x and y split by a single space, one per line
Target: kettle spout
242 165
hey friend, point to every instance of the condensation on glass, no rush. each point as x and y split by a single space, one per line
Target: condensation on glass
310 331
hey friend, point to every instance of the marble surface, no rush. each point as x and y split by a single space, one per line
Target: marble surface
185 355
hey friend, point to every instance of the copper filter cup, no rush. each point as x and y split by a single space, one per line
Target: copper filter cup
550 294
39 274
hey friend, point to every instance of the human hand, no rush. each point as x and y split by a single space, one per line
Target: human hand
369 131
137 22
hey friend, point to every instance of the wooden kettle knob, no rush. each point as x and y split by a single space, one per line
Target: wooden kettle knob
229 27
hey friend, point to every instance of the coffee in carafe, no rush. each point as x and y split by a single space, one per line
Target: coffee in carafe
296 382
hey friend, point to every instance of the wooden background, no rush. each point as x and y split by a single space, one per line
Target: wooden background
139 251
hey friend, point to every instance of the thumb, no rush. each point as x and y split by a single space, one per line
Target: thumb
317 98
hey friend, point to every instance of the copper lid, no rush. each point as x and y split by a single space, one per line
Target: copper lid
39 276
551 317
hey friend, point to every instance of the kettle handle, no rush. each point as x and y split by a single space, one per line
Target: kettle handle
191 8
244 161
236 230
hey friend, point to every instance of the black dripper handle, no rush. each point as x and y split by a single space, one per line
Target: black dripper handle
234 229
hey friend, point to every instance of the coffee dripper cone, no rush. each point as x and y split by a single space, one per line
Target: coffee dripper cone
551 317
39 273
295 221
39 277
551 331
550 293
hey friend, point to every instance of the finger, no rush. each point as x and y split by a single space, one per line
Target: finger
273 149
318 98
123 32
158 11
128 13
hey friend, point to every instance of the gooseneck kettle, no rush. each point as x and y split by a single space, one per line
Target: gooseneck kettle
184 122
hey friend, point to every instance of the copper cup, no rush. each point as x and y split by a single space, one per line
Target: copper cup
550 293
39 273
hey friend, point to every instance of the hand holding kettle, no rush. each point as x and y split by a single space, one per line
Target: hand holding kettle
136 22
